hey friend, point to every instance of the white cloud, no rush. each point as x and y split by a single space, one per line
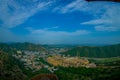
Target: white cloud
13 13
63 37
97 22
104 14
82 5
110 18
51 28
105 28
48 36
73 6
58 33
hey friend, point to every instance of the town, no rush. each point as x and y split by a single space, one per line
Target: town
50 59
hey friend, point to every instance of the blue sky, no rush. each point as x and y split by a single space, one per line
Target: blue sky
59 21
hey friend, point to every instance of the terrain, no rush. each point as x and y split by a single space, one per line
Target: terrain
94 51
26 61
10 68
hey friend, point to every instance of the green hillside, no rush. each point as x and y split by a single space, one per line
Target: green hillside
27 46
72 73
9 68
7 48
98 52
12 68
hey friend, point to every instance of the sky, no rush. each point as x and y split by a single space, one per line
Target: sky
60 21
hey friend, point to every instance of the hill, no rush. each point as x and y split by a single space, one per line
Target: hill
72 73
27 46
9 68
12 68
7 48
98 52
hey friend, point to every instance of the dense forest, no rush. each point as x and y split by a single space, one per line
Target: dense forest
97 52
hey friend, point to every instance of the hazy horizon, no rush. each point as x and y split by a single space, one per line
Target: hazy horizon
66 45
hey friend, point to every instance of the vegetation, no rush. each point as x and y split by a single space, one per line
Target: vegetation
9 68
30 73
44 61
88 73
97 52
114 61
6 48
13 69
46 77
27 46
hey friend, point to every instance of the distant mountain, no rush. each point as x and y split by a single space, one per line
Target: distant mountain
98 52
27 46
12 47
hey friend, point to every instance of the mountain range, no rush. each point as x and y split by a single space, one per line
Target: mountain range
94 51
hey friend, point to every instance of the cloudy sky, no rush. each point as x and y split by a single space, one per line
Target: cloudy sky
59 21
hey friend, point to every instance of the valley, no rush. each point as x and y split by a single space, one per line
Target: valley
34 59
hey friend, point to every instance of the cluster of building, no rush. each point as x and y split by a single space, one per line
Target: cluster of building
57 50
69 61
31 59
